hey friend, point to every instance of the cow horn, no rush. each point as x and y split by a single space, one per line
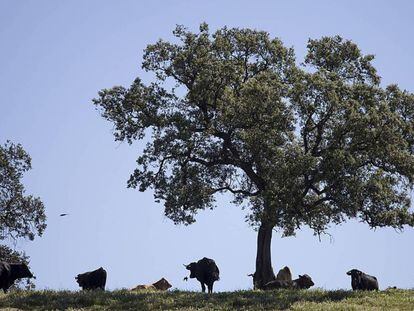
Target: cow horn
185 265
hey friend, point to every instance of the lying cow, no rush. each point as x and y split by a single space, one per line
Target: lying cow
10 272
162 284
92 280
303 282
205 271
362 281
284 274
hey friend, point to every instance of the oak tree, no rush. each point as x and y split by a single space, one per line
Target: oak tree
21 215
310 144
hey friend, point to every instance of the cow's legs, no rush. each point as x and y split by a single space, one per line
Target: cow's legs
203 287
210 288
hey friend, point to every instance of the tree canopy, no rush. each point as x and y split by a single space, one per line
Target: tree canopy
311 144
21 216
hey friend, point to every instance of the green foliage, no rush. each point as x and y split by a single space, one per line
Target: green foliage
231 111
21 216
240 300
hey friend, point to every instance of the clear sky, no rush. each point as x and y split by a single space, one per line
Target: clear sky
56 55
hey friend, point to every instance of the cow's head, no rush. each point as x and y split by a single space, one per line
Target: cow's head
80 278
354 273
192 267
305 281
21 270
162 284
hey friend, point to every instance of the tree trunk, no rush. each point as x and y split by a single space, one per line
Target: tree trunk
264 271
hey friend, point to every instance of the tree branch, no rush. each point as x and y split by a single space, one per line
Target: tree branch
236 191
319 201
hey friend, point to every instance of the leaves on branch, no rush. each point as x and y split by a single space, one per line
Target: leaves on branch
21 216
312 145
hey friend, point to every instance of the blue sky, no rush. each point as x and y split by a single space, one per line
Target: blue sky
56 55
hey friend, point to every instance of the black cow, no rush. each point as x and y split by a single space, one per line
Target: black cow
276 284
10 272
205 271
303 282
92 280
362 281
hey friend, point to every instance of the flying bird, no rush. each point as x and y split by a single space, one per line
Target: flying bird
63 214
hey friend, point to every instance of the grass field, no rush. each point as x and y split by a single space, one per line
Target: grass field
181 300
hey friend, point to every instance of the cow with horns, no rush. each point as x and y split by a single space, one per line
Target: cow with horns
205 271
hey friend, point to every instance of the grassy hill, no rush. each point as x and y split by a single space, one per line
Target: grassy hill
181 300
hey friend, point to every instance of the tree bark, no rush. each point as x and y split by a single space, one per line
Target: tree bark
264 271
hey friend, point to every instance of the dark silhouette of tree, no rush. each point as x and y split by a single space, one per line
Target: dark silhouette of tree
312 144
21 216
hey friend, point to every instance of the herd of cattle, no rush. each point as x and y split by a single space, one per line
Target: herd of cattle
205 271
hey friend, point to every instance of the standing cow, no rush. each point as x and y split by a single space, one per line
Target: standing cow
10 272
362 281
92 280
205 271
